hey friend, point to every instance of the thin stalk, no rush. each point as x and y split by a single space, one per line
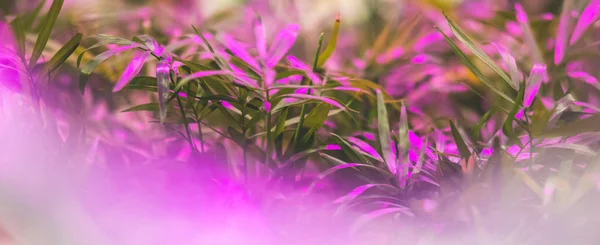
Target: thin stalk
200 136
186 126
530 138
268 128
198 119
244 145
303 108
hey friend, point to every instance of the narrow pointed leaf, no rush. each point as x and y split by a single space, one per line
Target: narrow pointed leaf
151 44
349 150
134 67
465 153
95 62
63 53
45 30
384 133
590 15
200 74
421 158
476 131
465 60
562 35
29 18
331 44
534 81
478 52
220 61
259 36
282 44
239 51
295 120
508 124
403 144
327 100
560 106
317 116
163 70
104 39
513 70
145 107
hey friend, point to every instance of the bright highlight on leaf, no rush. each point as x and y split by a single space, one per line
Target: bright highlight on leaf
134 67
163 75
384 134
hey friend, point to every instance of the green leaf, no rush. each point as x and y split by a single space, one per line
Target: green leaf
329 100
29 18
145 107
295 120
63 53
222 63
200 74
279 129
478 52
465 60
95 62
317 116
403 143
331 44
195 67
45 30
289 72
298 135
508 124
460 143
300 155
349 150
476 130
541 117
142 81
104 39
384 133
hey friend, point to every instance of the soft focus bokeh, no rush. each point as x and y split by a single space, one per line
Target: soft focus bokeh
311 122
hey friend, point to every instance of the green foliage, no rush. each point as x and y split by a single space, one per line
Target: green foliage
355 130
45 31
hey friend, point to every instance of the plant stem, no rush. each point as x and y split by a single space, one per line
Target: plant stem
200 135
268 128
303 108
186 126
244 144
